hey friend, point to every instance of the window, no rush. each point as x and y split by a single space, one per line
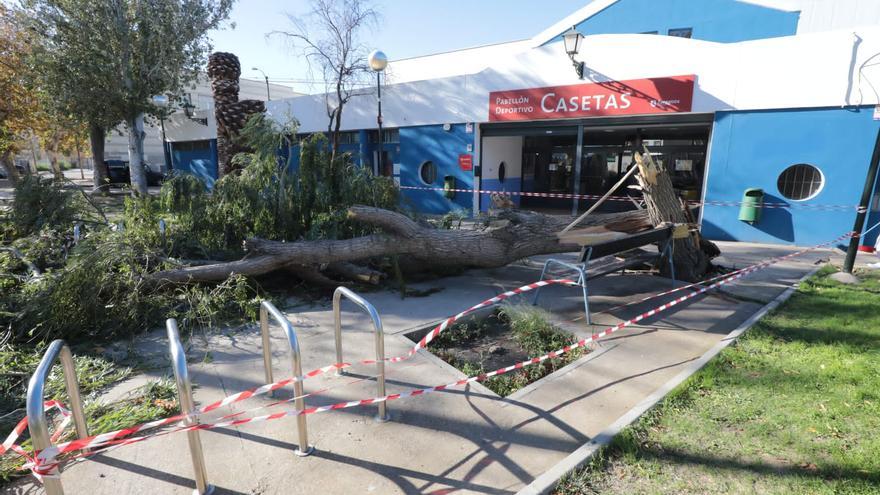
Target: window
681 32
428 172
502 172
191 145
389 136
649 32
800 182
349 137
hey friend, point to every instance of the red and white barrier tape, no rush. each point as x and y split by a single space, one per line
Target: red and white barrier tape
10 445
728 274
629 198
44 462
264 389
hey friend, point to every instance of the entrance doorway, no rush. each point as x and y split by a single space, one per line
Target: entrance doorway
588 159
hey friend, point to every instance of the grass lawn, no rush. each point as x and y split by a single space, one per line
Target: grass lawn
793 407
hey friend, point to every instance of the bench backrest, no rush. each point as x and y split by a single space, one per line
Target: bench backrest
632 241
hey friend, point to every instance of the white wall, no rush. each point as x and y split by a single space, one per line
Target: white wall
813 70
497 149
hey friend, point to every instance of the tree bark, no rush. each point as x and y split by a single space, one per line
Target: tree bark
54 163
136 154
517 235
96 142
663 205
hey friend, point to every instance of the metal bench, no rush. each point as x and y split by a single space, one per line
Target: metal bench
661 236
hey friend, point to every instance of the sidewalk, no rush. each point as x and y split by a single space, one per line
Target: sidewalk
465 440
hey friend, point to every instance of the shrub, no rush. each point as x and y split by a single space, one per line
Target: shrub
39 203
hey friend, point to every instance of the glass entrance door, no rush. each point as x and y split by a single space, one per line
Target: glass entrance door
548 167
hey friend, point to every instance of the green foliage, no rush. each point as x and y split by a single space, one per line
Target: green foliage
269 201
102 293
532 331
102 62
39 203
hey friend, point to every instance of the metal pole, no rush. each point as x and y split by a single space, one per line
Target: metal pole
184 394
268 96
579 155
37 423
268 309
601 200
368 308
380 161
164 145
267 346
864 204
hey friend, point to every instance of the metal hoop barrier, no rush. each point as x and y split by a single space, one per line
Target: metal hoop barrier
268 309
37 424
368 308
184 394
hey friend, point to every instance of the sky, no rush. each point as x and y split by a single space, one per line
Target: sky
407 28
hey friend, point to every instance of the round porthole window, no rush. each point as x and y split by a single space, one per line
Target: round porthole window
800 182
428 172
502 172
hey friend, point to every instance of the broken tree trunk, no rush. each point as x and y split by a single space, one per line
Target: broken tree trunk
663 205
517 235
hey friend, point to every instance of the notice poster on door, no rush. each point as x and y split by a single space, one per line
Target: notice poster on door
466 162
632 97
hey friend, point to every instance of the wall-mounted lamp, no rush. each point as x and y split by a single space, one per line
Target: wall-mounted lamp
572 41
189 111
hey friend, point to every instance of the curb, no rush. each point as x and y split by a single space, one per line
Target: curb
545 483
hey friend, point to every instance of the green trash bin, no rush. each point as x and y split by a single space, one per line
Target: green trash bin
448 185
752 203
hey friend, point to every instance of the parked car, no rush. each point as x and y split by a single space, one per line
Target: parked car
21 170
117 172
155 176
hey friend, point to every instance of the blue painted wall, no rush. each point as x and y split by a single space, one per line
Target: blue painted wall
723 21
751 149
422 143
201 163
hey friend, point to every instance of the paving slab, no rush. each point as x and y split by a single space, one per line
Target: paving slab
465 440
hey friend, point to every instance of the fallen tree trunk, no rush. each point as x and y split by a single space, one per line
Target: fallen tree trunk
691 255
516 235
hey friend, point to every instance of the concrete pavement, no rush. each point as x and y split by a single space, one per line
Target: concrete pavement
458 441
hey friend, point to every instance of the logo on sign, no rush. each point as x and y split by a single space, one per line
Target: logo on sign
639 96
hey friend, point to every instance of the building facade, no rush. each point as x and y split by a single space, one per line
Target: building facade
730 95
190 140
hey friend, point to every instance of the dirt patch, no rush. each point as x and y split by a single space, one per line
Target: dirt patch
499 339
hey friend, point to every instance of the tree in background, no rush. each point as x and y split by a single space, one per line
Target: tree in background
334 46
107 59
19 104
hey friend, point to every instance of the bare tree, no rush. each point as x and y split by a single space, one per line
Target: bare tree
334 47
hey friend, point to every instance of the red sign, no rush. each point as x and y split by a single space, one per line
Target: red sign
466 162
638 96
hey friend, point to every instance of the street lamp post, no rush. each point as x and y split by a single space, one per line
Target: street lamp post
268 97
162 101
572 40
378 61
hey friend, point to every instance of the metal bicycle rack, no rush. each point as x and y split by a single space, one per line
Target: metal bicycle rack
368 308
184 393
37 424
268 309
